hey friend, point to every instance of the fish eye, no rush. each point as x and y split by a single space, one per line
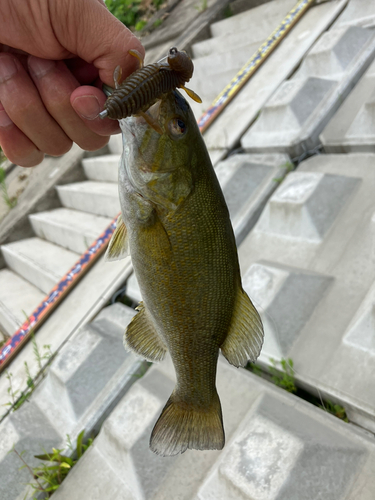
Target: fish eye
177 127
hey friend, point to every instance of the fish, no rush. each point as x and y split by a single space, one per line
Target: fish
175 224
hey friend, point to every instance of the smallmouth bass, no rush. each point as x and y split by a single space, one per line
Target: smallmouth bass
176 225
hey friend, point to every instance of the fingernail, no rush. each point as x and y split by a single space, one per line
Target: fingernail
40 67
8 68
87 106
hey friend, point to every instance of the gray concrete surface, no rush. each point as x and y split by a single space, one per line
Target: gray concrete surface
352 128
87 379
305 103
308 265
278 447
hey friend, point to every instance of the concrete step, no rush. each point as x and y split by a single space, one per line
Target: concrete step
100 198
260 18
86 379
16 295
352 128
40 262
357 13
308 266
102 168
293 118
68 228
231 124
277 446
234 32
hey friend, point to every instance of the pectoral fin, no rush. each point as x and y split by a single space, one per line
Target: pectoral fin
142 338
118 247
245 336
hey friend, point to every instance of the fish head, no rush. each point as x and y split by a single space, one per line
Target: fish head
160 151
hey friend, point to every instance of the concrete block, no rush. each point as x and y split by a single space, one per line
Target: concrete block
85 381
99 198
232 123
68 228
357 13
286 298
352 128
41 263
102 168
26 430
115 143
260 21
236 32
337 52
299 110
278 446
88 297
247 182
317 230
91 372
13 303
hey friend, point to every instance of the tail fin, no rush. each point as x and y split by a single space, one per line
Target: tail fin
180 427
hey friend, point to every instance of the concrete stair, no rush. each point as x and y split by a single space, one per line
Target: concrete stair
218 59
102 168
100 198
40 262
68 228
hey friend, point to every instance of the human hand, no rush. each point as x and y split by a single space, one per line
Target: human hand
49 52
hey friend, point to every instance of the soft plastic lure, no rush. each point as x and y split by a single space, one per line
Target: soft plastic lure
148 84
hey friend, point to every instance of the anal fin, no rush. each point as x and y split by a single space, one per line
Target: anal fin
142 338
245 336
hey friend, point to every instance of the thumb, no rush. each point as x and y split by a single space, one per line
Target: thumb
91 32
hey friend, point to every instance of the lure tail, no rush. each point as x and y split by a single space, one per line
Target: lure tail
182 426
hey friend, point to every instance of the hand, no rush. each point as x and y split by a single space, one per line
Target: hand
50 50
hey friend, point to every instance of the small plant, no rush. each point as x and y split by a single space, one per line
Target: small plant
228 12
11 202
289 167
16 398
134 13
336 410
202 6
254 369
157 23
49 475
283 376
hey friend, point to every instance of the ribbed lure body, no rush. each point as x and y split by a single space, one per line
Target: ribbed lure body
143 87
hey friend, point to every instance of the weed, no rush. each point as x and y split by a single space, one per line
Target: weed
11 202
17 399
283 377
140 25
336 410
48 476
12 393
228 12
157 23
202 6
288 167
133 13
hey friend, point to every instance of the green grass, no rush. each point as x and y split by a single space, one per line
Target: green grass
133 13
54 466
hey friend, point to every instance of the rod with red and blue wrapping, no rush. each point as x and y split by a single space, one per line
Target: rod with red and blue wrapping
50 302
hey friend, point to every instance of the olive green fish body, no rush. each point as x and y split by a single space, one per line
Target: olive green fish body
184 255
